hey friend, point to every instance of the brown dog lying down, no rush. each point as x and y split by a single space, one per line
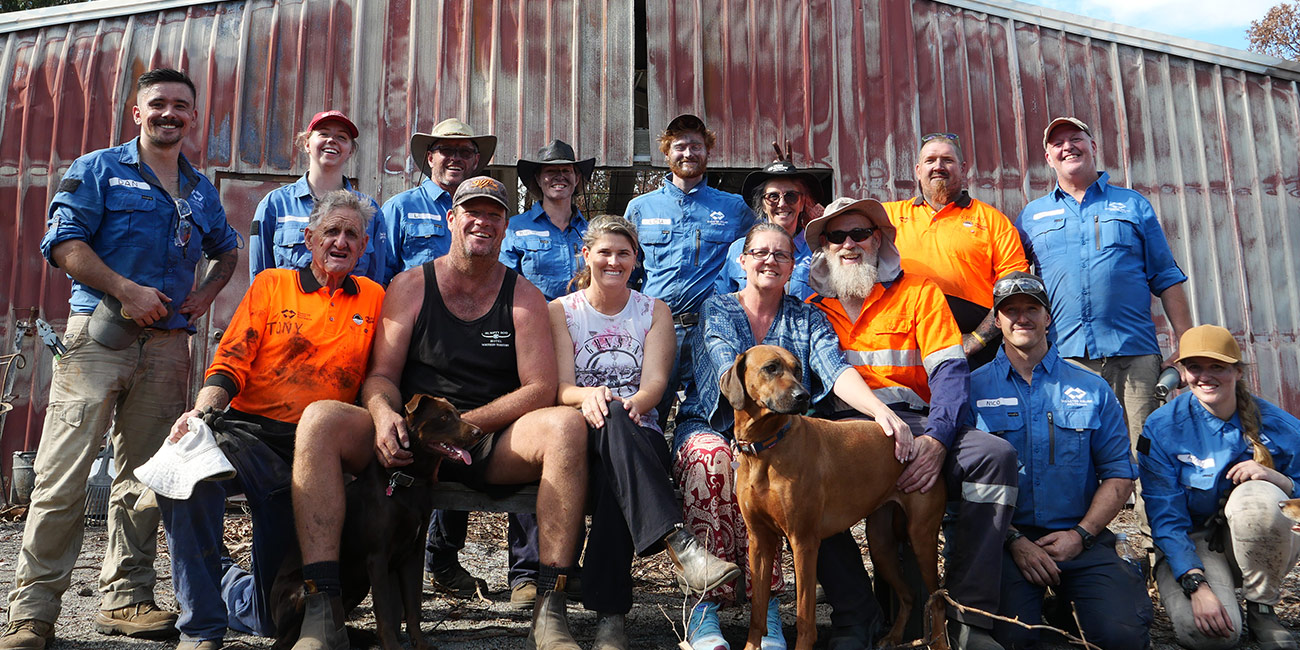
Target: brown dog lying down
809 479
383 535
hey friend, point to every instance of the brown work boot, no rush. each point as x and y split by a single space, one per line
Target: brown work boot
195 644
1266 629
322 622
28 634
550 629
698 570
143 620
523 596
455 580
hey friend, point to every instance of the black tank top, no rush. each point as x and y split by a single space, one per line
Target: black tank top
470 363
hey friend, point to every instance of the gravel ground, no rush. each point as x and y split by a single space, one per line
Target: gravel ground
474 624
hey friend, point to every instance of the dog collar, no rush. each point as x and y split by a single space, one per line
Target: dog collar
752 448
399 479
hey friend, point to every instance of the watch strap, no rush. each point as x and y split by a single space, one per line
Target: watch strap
1088 538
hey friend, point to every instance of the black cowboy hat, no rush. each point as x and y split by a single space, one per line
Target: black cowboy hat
817 180
558 152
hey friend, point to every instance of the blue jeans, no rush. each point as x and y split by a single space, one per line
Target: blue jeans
213 592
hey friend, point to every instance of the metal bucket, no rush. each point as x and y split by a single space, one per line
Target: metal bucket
24 477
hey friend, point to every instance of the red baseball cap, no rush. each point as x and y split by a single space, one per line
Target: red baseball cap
334 115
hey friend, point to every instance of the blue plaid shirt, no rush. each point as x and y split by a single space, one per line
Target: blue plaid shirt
724 333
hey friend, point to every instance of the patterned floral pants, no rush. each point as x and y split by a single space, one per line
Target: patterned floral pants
710 511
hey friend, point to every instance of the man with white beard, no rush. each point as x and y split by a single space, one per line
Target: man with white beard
899 333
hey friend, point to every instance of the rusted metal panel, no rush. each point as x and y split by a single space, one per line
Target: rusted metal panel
1208 134
526 71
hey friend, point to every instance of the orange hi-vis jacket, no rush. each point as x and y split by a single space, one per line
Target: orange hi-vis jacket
964 248
904 332
290 343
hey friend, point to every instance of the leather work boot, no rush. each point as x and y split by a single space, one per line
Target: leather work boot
698 570
455 580
195 644
610 634
969 637
523 596
143 620
550 629
322 622
28 634
1266 630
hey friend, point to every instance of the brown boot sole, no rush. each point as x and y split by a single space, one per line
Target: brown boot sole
156 631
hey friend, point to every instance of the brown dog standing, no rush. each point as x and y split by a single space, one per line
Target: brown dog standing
807 479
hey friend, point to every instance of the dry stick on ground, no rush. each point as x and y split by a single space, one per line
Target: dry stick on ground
943 593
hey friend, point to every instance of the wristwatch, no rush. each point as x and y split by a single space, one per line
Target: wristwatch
1012 536
1088 538
1190 582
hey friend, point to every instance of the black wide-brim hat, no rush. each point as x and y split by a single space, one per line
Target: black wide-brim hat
558 152
817 180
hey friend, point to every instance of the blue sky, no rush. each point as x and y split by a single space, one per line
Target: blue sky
1213 21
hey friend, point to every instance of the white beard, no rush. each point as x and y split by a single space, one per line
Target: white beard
834 279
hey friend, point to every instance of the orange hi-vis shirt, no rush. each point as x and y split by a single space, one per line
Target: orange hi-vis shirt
964 248
904 332
291 343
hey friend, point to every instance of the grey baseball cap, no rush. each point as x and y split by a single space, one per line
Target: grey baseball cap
480 187
110 327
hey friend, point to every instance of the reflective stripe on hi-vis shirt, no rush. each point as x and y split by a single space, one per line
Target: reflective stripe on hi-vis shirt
1003 495
897 358
937 357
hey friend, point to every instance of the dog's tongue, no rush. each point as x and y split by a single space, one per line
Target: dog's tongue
463 455
455 453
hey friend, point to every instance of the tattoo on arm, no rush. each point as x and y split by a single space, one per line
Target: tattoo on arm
221 269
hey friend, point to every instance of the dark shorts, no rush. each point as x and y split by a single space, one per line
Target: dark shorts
474 475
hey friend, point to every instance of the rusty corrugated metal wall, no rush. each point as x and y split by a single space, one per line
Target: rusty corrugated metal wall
1208 134
1211 140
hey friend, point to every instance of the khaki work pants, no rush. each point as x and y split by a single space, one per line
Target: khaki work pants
146 385
1261 552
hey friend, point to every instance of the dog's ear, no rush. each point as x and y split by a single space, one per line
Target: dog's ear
733 383
414 404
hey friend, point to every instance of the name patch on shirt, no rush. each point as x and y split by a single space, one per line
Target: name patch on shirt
1049 213
428 216
996 402
531 233
287 218
126 182
656 221
1203 463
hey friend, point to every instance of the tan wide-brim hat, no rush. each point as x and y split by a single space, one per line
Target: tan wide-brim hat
889 262
452 129
1209 341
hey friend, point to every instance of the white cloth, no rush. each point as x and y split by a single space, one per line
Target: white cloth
178 466
610 350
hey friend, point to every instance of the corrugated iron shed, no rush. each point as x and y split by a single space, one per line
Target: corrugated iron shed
1209 134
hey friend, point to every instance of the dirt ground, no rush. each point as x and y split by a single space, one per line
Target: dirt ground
655 620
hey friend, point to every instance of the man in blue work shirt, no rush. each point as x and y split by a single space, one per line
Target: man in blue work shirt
129 225
544 242
685 228
1100 251
413 224
1076 471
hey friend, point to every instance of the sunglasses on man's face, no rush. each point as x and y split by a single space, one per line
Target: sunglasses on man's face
936 136
464 153
857 234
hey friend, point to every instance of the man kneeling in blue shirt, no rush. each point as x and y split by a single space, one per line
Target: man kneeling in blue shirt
1076 472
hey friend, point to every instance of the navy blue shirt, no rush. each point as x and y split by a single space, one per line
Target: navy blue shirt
1068 430
277 240
685 236
114 202
1101 260
536 249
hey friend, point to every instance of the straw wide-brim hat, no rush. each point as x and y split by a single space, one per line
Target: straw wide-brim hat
452 129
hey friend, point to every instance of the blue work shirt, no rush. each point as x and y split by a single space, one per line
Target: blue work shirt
114 202
414 228
1068 430
1101 261
724 332
685 236
536 249
277 240
1183 456
732 278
